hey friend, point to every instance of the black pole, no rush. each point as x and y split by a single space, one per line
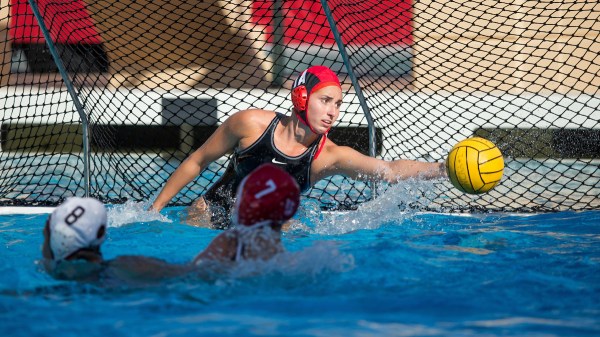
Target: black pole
71 89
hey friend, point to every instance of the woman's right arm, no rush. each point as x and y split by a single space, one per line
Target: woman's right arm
222 141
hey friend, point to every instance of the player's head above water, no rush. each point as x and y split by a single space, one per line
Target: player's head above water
76 226
309 81
268 195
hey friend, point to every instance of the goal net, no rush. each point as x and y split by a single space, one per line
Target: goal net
107 98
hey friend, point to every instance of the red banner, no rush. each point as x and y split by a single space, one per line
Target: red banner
364 22
67 21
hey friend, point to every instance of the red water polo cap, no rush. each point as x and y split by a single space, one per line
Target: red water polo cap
267 194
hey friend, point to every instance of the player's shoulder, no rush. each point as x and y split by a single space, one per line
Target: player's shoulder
330 147
252 118
256 115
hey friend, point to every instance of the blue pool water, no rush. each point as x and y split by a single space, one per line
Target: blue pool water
370 272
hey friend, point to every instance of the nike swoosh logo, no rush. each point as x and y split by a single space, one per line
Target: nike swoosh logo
275 161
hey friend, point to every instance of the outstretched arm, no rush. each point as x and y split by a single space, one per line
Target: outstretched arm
222 141
404 168
142 269
351 163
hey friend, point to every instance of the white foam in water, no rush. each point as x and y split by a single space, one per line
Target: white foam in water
372 214
321 257
131 212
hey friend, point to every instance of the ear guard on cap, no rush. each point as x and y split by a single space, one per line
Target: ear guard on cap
300 102
300 98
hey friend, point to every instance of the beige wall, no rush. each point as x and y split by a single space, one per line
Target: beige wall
530 46
179 43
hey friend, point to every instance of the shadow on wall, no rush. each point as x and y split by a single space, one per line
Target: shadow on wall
178 44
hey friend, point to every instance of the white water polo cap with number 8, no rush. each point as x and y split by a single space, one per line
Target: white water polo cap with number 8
78 223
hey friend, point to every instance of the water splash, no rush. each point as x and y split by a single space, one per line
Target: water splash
394 204
133 212
291 267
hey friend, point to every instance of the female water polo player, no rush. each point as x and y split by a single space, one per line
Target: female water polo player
296 143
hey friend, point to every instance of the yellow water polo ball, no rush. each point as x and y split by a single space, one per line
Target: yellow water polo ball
475 165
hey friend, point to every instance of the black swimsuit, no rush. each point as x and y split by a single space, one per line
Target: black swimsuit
221 194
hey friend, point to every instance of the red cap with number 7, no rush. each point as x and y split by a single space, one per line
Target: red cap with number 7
267 195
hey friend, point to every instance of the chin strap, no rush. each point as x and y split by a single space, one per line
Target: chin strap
322 145
302 118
